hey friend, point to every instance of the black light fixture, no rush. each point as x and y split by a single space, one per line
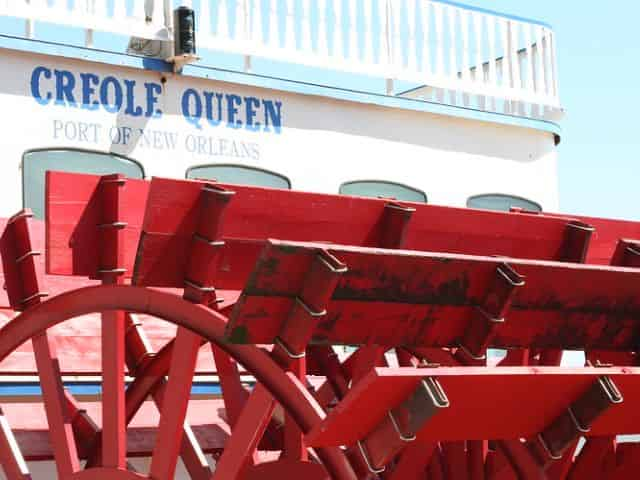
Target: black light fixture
184 27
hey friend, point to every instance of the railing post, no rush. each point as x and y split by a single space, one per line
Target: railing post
88 33
29 25
389 44
554 68
168 15
248 31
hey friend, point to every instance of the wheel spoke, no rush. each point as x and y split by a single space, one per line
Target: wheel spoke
246 434
61 433
413 462
15 468
114 440
139 351
174 405
233 393
294 448
193 457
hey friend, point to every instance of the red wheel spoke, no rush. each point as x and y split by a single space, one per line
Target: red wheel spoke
190 452
294 448
234 393
284 469
366 358
336 384
413 462
246 434
522 460
114 440
139 353
193 456
559 470
61 433
455 459
11 458
435 467
174 405
476 450
147 381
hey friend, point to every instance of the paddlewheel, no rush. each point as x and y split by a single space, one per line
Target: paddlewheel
380 339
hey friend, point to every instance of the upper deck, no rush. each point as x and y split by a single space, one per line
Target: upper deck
435 51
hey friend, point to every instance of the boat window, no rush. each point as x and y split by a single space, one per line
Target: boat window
239 174
36 162
381 188
500 202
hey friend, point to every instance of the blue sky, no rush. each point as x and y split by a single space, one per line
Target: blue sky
598 53
598 49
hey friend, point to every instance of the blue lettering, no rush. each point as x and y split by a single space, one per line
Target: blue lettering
232 110
89 79
252 104
35 85
192 117
117 94
131 108
153 90
65 83
272 115
208 101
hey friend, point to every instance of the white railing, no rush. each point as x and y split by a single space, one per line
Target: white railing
141 19
444 46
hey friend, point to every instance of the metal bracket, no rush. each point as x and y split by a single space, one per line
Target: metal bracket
436 392
396 427
32 253
547 449
116 225
199 288
307 309
111 226
24 279
309 306
577 419
476 358
611 391
576 422
120 181
404 421
211 243
627 253
35 295
370 467
489 315
294 356
206 244
118 271
576 242
395 223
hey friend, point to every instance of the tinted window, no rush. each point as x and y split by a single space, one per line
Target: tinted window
378 188
240 174
502 203
37 162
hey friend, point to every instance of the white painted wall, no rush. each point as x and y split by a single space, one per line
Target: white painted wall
323 142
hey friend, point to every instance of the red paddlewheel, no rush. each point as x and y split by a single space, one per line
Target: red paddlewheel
417 399
252 420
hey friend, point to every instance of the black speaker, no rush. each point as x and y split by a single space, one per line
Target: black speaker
184 27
